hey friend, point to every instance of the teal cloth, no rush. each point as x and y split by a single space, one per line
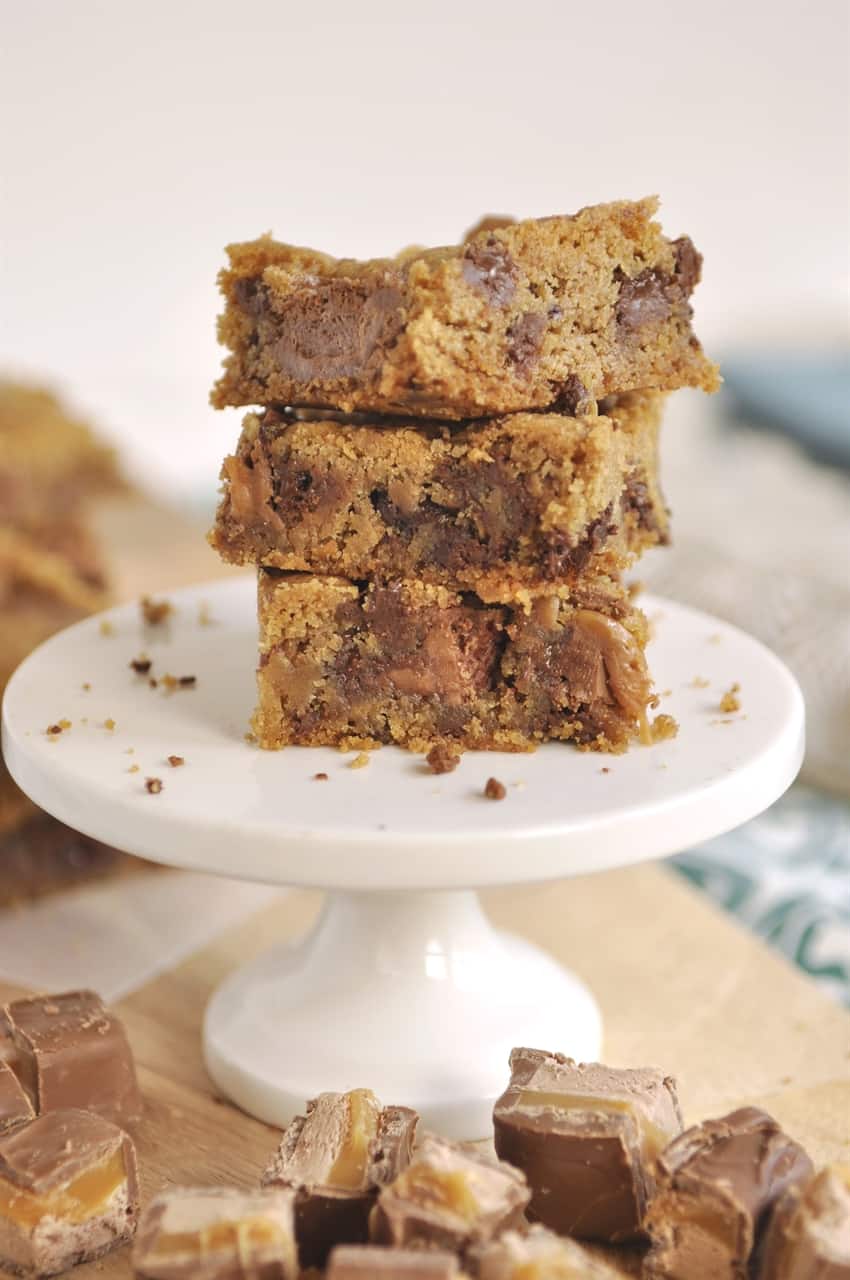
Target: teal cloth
786 875
806 397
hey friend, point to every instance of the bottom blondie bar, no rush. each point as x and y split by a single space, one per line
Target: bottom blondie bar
354 665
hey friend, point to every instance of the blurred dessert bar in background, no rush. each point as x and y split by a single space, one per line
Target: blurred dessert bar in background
52 573
51 464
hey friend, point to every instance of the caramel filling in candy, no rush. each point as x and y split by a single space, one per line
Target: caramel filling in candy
79 1200
653 1139
438 1189
350 1169
243 1238
549 1269
717 1227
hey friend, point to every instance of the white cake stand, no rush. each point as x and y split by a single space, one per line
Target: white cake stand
403 986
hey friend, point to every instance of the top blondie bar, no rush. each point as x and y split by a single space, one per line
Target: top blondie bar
550 313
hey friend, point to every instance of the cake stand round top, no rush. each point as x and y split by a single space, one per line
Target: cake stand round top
271 816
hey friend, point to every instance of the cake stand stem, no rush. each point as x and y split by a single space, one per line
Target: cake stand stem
414 995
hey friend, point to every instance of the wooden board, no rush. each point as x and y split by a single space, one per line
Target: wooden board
680 984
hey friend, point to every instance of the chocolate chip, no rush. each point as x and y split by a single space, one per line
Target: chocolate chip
637 498
490 269
251 297
571 397
643 299
688 264
524 339
273 418
561 557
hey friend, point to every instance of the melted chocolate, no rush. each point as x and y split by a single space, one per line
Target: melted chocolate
337 329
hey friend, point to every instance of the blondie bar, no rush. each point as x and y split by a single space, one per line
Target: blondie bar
351 664
50 464
488 506
552 312
42 589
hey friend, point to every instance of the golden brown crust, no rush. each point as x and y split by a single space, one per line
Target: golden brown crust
561 310
528 499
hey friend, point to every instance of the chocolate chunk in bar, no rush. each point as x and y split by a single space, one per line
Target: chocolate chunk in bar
68 1192
809 1230
537 1255
72 1052
717 1183
15 1105
585 1135
335 1159
451 1196
371 1262
217 1233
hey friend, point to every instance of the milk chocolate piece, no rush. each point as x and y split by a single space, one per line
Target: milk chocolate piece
335 1158
370 1262
68 1192
72 1052
717 1183
808 1237
585 1135
15 1106
217 1233
451 1196
538 1255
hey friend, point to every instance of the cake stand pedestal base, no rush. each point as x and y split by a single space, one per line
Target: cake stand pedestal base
414 995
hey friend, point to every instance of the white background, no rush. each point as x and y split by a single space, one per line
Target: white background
137 139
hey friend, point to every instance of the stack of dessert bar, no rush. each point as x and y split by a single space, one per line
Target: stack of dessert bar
454 460
51 573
